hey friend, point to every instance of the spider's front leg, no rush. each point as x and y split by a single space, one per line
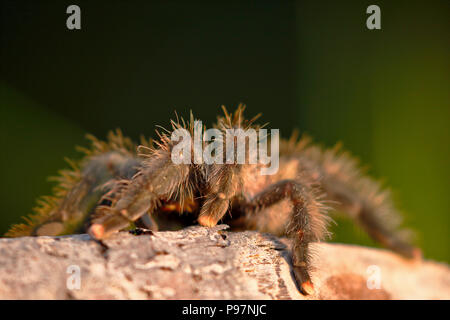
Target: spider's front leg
158 179
307 222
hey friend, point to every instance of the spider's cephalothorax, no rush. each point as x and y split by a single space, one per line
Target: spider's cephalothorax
118 182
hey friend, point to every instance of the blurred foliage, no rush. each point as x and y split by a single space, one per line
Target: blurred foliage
307 64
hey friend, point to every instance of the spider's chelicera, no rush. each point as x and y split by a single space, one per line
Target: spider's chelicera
176 181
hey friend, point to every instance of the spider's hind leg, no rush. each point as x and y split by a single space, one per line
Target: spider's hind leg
378 224
363 198
307 223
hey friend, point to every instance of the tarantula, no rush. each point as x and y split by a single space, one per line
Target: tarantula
118 183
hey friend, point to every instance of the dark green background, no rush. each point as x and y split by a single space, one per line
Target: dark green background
307 64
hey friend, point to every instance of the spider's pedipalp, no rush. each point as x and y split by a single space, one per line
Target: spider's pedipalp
222 185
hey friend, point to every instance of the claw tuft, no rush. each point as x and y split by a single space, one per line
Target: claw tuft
307 288
96 231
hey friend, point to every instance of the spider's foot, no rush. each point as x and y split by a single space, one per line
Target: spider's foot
417 254
206 221
303 280
408 251
141 231
96 231
307 288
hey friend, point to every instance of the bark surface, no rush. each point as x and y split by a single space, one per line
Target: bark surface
202 263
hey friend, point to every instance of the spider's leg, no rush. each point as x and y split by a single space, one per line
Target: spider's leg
360 196
157 179
379 222
79 188
307 222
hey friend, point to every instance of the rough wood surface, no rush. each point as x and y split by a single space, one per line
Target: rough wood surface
202 263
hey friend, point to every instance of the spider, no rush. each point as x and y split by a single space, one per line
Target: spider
118 183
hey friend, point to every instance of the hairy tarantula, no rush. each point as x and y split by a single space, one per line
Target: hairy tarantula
117 183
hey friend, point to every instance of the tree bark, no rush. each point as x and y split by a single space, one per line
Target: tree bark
202 263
